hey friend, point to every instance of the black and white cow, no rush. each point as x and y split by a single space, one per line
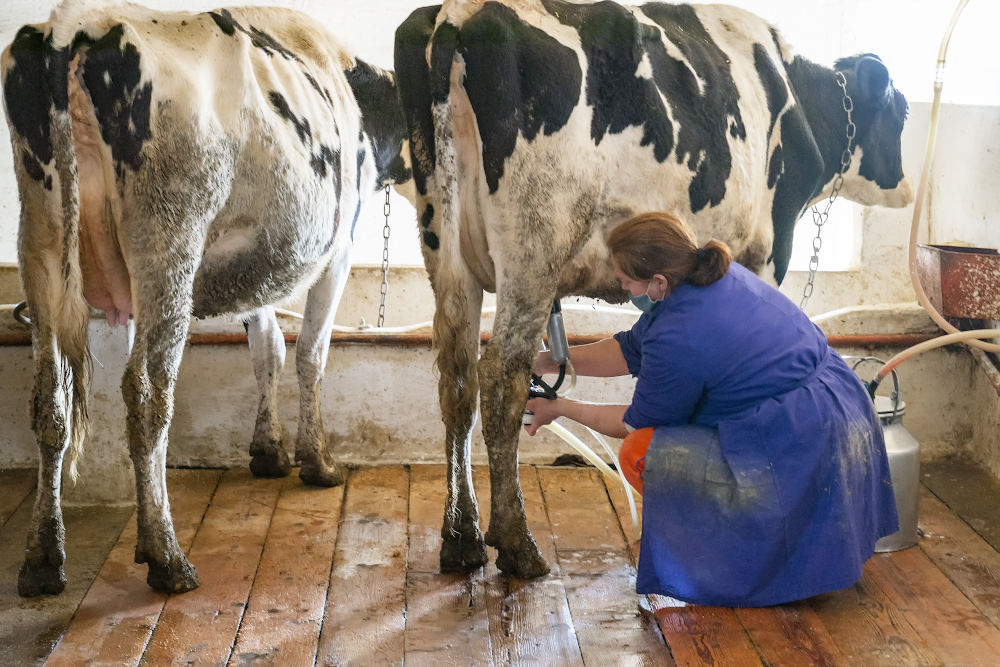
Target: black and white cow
537 125
175 164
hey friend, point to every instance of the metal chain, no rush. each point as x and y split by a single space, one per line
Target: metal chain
385 259
820 218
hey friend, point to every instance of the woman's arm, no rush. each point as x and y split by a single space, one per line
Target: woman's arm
601 359
604 418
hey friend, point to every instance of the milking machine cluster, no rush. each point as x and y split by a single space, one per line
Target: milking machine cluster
559 350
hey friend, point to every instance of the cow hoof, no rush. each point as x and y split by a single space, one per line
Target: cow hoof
527 563
321 475
43 580
460 553
271 466
178 578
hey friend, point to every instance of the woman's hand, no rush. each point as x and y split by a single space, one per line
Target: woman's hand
546 411
543 364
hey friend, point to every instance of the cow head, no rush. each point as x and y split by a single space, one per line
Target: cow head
382 120
876 176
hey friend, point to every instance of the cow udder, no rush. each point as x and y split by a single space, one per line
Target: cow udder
107 285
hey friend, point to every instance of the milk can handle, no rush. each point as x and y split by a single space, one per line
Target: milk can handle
896 398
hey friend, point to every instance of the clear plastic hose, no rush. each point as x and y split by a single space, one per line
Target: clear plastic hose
596 460
629 491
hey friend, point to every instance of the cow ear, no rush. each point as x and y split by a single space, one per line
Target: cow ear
874 82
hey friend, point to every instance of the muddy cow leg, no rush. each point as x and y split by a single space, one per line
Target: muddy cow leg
52 415
504 374
310 362
162 318
42 572
267 348
462 546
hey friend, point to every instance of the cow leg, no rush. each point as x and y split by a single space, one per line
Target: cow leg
59 321
310 361
504 375
267 348
162 319
42 572
462 545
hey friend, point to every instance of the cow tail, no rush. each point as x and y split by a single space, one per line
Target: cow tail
456 359
71 315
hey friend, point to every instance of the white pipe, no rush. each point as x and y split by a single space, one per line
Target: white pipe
486 311
629 491
921 192
578 445
572 379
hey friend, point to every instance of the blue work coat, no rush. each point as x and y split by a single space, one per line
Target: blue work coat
785 489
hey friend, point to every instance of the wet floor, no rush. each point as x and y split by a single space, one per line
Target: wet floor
301 576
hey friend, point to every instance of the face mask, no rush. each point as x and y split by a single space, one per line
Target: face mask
643 302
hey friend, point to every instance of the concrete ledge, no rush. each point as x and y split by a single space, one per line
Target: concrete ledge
380 401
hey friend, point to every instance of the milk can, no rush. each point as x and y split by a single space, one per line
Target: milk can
904 466
903 452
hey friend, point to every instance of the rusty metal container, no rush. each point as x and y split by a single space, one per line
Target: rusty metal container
960 281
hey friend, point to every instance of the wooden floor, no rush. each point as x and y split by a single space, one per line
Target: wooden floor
301 576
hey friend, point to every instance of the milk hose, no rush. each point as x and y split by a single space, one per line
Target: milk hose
548 392
971 338
919 202
593 458
960 337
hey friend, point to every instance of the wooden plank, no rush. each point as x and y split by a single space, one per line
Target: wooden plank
869 629
950 624
970 490
199 628
597 572
30 627
620 503
115 620
790 635
15 485
366 601
696 635
965 558
530 622
580 512
285 612
709 636
446 619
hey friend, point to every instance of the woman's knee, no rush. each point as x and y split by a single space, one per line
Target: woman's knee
632 455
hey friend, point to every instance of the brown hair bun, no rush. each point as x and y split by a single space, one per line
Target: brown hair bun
660 243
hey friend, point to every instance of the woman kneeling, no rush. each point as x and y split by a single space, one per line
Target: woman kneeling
758 451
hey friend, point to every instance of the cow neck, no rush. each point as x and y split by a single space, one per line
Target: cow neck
823 105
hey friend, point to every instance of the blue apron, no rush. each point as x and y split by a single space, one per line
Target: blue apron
778 503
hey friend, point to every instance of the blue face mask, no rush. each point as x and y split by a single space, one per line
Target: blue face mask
643 302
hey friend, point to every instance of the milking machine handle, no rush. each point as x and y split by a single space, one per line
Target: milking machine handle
539 389
872 387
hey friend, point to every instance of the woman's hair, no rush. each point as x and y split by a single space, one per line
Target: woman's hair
652 243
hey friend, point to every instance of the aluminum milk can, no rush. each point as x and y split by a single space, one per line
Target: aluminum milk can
904 466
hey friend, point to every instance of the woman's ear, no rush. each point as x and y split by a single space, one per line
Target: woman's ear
663 287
